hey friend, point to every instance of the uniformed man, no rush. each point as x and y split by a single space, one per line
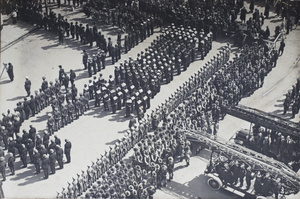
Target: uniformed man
64 116
105 102
27 85
59 156
11 163
44 84
52 159
23 155
45 165
36 160
68 146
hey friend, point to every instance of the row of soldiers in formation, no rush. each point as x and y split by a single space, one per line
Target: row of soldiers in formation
136 81
274 144
152 166
205 106
43 152
163 163
178 119
292 99
62 116
29 107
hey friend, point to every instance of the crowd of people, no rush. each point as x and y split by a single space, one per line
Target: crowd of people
154 155
180 112
197 105
43 151
278 145
236 173
135 82
292 100
126 15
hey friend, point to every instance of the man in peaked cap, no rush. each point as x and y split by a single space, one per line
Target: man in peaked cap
68 146
27 85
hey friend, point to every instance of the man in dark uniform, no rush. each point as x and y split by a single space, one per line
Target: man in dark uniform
27 86
45 165
11 163
77 30
52 159
128 107
113 102
89 66
64 116
71 110
30 148
103 56
59 156
67 27
36 158
32 105
94 64
68 147
46 139
72 28
23 155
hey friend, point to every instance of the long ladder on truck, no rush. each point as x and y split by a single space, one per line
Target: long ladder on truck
274 167
264 119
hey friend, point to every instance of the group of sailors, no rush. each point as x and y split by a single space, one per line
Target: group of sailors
135 82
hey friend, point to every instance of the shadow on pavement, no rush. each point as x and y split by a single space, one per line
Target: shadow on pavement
5 82
41 118
16 98
112 142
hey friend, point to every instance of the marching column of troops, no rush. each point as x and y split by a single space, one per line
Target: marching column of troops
292 100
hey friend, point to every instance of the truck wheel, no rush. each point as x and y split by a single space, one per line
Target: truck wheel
214 184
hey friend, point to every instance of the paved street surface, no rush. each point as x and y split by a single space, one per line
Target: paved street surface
37 54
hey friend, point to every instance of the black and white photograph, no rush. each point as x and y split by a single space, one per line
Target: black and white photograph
150 99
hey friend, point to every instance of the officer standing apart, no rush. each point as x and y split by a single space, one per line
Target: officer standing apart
27 85
68 147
